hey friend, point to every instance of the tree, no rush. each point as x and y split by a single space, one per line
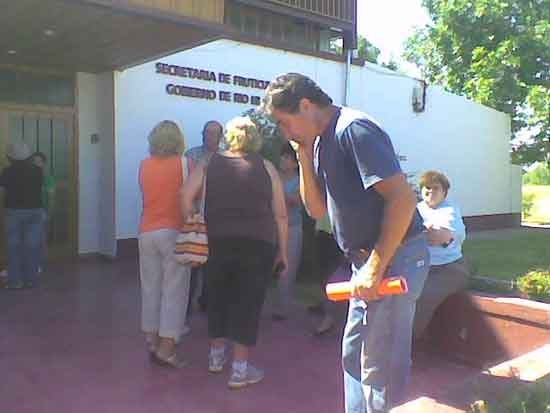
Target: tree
391 64
366 50
271 135
496 52
538 176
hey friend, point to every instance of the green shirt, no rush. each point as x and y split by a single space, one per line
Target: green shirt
48 189
323 224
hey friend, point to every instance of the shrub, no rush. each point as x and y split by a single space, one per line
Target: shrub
536 284
538 176
527 202
535 398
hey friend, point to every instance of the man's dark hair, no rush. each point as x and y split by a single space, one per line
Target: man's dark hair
41 155
211 122
285 92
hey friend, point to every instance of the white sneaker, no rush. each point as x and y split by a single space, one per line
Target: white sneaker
216 362
251 375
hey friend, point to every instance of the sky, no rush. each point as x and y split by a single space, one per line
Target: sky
388 23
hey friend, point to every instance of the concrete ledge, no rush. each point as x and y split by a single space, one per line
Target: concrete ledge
529 367
425 405
482 330
492 385
492 221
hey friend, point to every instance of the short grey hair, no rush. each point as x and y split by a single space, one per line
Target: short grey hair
166 139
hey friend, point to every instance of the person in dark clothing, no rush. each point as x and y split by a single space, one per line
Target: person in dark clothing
247 228
22 182
349 169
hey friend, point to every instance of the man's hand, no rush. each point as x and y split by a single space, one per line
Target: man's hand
304 150
366 283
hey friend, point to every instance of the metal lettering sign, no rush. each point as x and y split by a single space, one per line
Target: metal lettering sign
210 76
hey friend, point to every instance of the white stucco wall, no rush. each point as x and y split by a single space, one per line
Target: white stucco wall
467 141
96 169
88 159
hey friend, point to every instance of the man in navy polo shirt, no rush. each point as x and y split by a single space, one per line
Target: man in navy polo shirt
348 169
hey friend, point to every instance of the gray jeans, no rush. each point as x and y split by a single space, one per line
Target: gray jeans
164 284
443 281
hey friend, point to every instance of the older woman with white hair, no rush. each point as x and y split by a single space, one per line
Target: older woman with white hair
164 282
247 233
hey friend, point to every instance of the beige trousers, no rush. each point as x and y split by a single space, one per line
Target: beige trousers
164 284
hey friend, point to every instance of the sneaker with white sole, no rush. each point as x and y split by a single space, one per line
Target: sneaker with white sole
216 362
251 375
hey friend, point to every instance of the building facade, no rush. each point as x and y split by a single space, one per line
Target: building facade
85 80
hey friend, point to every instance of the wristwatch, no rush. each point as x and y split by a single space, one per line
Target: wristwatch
446 244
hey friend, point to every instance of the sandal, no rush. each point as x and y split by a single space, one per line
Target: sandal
171 361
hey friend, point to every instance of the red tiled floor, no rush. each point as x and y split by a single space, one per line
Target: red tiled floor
73 345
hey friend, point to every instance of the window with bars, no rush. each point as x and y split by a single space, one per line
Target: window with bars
264 24
32 88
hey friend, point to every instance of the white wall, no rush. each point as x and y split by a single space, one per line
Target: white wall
467 141
88 160
96 164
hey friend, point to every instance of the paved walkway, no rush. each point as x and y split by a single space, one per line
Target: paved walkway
73 345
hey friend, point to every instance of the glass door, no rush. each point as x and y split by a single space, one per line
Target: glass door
52 134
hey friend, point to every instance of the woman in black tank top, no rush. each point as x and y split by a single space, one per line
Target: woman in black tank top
247 234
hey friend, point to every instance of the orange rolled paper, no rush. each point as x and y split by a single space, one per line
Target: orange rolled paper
389 286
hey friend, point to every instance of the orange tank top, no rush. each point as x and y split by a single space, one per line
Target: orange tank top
160 181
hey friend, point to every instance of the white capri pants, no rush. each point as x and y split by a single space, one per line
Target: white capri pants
164 284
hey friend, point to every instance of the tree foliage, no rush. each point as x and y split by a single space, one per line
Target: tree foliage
538 176
366 50
496 52
271 135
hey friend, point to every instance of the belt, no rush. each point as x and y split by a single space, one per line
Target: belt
360 256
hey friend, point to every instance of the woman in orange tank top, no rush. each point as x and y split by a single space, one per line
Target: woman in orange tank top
164 282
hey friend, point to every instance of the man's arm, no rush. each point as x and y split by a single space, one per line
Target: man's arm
280 213
192 187
399 206
312 195
449 228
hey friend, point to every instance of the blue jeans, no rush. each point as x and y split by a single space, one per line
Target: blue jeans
24 238
376 347
44 241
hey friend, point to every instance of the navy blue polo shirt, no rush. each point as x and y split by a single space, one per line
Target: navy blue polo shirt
350 157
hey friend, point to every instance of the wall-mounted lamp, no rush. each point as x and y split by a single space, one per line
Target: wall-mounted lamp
419 96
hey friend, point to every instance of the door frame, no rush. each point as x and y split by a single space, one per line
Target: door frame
68 113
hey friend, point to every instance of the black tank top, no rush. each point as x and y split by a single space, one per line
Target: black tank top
239 198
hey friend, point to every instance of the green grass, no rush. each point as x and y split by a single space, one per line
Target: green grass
540 210
510 258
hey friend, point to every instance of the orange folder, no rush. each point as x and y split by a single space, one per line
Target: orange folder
390 286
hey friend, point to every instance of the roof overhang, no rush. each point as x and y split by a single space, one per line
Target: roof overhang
92 35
